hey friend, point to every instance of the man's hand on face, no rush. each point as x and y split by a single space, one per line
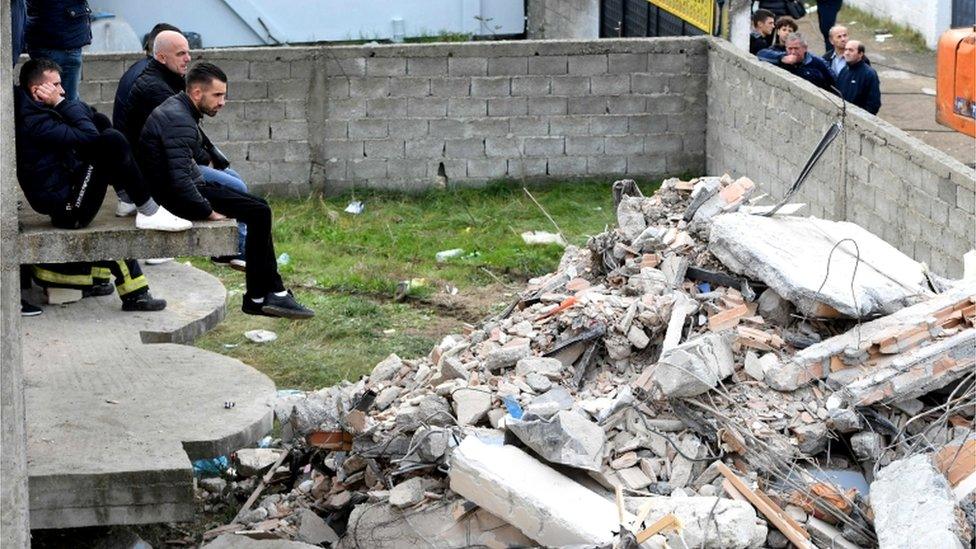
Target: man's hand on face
790 59
48 94
214 216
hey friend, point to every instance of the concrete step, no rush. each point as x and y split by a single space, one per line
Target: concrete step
110 237
113 423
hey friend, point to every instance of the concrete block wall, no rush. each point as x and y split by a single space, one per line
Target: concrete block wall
764 123
399 117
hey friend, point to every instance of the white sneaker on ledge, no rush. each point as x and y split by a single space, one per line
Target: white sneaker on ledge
125 209
162 220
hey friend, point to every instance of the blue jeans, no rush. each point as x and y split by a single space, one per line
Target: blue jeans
70 63
232 180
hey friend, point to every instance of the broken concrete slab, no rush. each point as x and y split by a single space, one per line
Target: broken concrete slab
711 522
508 354
867 445
408 493
566 439
252 462
471 405
774 308
233 541
545 505
549 367
911 495
790 254
386 397
381 526
630 217
694 367
386 369
117 448
312 529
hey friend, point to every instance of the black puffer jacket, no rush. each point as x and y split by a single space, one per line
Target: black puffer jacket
58 24
46 142
169 149
778 7
155 85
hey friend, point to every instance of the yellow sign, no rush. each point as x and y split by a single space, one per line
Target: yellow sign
699 13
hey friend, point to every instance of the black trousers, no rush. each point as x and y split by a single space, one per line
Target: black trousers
129 280
107 160
827 15
262 268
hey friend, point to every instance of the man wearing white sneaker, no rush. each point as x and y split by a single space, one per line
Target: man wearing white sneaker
67 155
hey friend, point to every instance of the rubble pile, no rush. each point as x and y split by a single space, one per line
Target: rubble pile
701 375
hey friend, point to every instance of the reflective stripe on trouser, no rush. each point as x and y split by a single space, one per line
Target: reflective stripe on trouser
101 275
128 275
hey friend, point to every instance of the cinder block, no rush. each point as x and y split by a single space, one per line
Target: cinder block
335 169
408 128
301 68
347 67
289 130
615 84
369 88
258 130
608 125
386 107
386 66
93 70
425 148
426 106
427 66
965 199
544 146
345 149
570 85
499 147
450 87
289 172
947 192
532 86
472 147
217 131
367 129
297 151
254 173
507 66
627 63
606 165
268 70
548 105
491 86
585 146
668 63
549 65
408 169
567 166
409 87
527 167
588 105
367 168
345 109
622 145
467 66
235 69
294 88
107 92
448 129
486 127
507 106
647 124
233 151
337 88
246 89
264 110
265 151
90 91
487 168
646 165
467 106
569 125
666 104
663 144
587 65
384 148
529 126
625 104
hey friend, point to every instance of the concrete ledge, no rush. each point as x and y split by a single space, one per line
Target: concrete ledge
110 237
114 423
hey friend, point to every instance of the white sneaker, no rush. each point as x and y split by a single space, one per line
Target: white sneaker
158 260
162 220
125 209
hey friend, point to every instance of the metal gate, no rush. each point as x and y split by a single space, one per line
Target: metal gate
629 18
963 13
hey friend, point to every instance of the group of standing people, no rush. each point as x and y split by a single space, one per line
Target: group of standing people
153 151
844 69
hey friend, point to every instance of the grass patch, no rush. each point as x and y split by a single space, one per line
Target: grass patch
862 22
346 267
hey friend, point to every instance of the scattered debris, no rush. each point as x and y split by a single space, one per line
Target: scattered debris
692 339
260 336
542 238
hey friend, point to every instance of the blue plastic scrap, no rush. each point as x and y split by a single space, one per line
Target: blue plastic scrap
512 406
210 467
704 287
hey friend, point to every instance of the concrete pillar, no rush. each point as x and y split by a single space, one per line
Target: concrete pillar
577 19
14 506
740 23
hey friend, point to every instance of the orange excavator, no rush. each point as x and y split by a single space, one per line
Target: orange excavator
955 80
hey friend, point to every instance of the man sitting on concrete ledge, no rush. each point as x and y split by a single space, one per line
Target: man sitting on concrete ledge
168 146
67 154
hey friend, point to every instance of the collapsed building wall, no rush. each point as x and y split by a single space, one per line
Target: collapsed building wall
765 122
412 117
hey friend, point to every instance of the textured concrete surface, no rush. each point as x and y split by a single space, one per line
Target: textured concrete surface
114 423
110 237
231 541
14 532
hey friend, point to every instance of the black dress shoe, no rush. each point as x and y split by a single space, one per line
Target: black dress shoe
143 302
285 307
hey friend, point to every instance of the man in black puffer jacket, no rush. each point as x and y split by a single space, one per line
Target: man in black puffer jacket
169 149
161 79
